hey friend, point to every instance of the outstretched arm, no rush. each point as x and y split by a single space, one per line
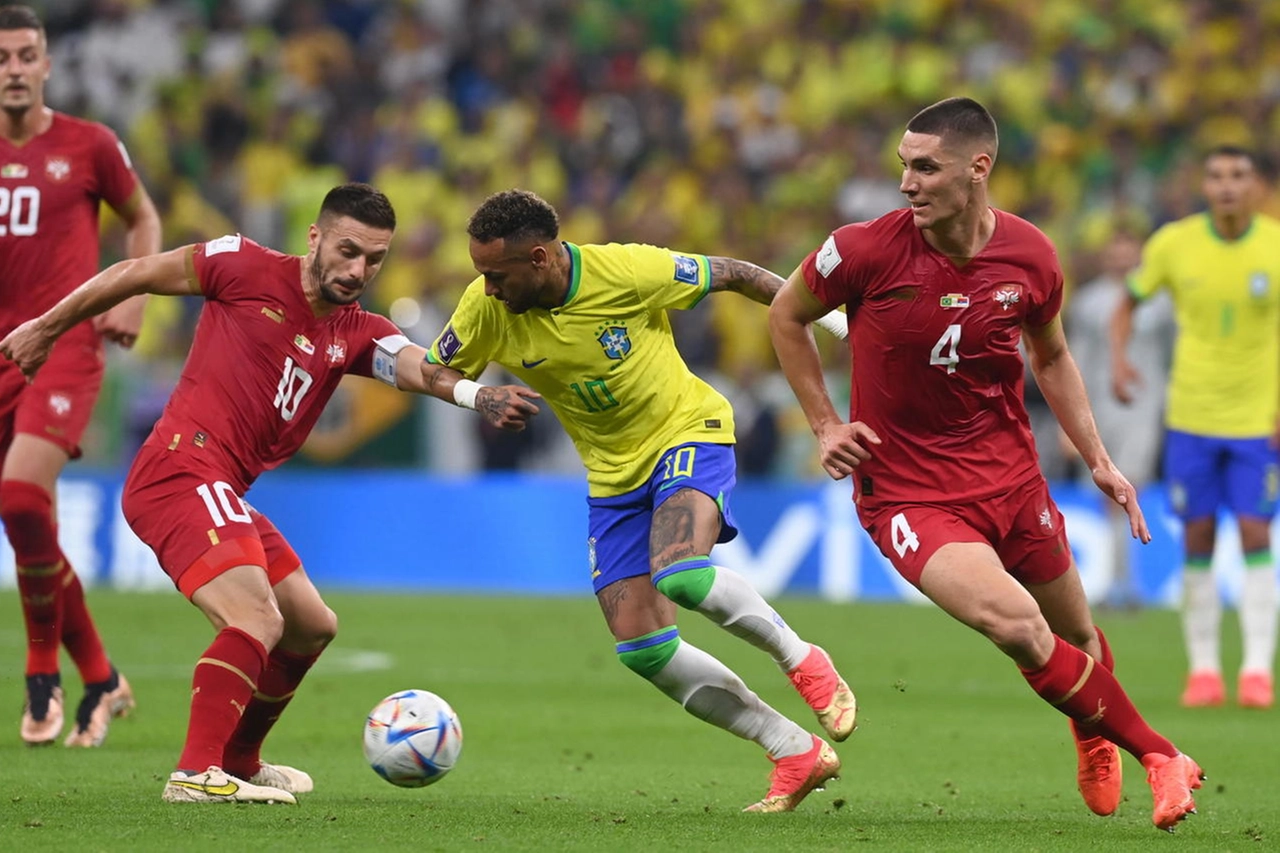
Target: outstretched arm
1124 376
508 407
169 273
1059 379
760 285
122 323
840 444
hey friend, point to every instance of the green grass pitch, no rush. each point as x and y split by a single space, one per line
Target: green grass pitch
567 750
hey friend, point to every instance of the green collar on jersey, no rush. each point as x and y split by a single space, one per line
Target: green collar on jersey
1208 217
575 271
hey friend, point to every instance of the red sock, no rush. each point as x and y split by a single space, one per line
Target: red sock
42 611
27 512
220 690
1077 686
78 632
1082 732
284 671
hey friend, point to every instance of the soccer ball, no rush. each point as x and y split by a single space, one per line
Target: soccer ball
412 738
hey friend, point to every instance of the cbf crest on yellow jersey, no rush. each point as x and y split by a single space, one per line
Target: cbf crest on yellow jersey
605 360
1225 380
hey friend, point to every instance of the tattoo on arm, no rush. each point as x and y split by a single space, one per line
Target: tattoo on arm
755 283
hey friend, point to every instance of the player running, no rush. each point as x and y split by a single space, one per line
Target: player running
277 334
945 472
587 327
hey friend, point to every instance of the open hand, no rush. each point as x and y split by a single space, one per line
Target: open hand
1114 485
508 407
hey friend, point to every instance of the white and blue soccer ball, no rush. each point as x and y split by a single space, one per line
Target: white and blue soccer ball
412 738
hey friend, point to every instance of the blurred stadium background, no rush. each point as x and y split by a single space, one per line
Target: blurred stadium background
735 127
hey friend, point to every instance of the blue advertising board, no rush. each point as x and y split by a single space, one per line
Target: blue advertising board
527 535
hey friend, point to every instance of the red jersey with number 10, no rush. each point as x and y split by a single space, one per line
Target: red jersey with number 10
50 191
262 365
937 372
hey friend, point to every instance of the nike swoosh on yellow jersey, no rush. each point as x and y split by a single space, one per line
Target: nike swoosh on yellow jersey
217 790
531 364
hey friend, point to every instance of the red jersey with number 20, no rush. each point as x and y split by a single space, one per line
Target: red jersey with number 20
50 190
262 365
937 372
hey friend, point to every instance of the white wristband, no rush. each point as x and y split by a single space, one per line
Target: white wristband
836 322
464 393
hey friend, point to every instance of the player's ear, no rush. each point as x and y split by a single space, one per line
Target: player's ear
539 257
313 237
980 166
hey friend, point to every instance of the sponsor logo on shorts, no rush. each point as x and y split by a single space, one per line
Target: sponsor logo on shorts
1046 519
449 344
591 556
686 269
60 404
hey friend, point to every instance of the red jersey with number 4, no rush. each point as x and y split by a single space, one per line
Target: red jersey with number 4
937 372
50 192
262 365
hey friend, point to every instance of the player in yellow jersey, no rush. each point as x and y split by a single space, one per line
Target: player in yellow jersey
1222 268
586 327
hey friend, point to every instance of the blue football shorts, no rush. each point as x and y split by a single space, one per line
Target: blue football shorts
618 526
1206 474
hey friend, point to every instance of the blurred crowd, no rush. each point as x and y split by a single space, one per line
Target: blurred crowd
747 128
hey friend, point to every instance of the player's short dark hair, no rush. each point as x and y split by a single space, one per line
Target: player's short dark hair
959 119
1233 151
16 17
362 203
514 215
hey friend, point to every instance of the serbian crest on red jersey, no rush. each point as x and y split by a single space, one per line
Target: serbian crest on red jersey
1046 519
1008 295
336 352
57 168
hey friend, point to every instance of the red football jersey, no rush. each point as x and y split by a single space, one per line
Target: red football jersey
50 190
936 368
262 365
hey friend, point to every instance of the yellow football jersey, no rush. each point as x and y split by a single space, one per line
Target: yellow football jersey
1225 379
605 361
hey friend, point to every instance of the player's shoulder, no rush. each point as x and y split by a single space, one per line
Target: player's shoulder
1268 225
1189 231
82 133
875 233
1022 233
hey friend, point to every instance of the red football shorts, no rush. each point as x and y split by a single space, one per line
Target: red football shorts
196 523
1023 525
57 405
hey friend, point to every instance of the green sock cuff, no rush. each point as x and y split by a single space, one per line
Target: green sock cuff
1260 559
687 582
647 655
1198 564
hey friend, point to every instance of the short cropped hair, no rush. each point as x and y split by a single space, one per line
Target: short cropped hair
20 18
1233 151
962 119
362 203
515 215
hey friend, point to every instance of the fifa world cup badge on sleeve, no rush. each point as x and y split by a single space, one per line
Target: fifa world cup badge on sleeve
686 269
828 257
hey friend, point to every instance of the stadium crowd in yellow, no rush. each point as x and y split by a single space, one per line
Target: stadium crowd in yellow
746 128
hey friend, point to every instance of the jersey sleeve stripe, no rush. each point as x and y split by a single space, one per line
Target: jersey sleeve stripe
704 268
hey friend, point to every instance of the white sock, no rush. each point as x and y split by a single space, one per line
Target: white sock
1258 619
734 605
1201 616
712 692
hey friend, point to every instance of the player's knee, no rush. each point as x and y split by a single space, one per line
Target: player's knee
686 582
646 656
27 512
316 631
1016 635
259 619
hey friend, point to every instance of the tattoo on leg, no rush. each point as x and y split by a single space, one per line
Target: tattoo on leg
611 598
672 536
